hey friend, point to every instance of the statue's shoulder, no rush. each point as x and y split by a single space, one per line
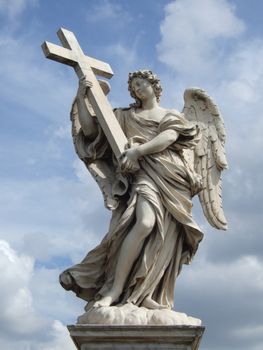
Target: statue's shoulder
174 113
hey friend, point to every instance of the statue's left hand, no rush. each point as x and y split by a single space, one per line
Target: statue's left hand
132 154
129 160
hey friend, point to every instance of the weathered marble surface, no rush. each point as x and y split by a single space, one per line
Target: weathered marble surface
149 162
94 337
129 314
170 157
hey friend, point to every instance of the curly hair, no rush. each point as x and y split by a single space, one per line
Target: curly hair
152 79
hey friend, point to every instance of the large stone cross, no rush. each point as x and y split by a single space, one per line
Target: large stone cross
72 55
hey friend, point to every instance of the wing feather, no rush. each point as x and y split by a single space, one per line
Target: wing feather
210 158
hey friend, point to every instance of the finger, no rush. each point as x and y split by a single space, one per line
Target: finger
87 84
135 166
84 81
129 165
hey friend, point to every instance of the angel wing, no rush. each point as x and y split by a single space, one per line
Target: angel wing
209 154
103 172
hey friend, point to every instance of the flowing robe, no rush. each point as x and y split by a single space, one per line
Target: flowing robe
168 183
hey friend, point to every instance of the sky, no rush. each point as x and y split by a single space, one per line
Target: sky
51 211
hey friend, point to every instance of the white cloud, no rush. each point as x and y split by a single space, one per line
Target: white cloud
192 47
190 30
44 287
244 73
237 273
63 132
30 82
226 293
224 285
238 94
17 314
52 216
13 8
123 53
107 10
61 339
28 319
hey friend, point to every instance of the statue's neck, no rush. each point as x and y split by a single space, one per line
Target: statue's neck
149 104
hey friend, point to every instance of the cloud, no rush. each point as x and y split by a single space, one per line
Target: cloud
17 315
233 77
243 75
44 286
123 53
52 216
107 10
226 294
27 317
249 331
30 83
14 8
51 204
191 32
225 283
61 339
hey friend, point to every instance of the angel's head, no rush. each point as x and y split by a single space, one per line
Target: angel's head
143 80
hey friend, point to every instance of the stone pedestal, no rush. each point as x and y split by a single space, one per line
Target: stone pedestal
131 337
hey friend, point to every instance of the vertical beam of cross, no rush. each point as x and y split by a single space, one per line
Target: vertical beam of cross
71 54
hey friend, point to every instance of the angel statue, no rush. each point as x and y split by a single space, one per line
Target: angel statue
170 157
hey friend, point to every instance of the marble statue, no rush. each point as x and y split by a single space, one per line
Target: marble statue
169 157
152 232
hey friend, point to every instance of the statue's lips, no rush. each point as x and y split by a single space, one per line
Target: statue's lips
139 93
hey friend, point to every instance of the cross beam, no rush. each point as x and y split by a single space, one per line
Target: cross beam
71 54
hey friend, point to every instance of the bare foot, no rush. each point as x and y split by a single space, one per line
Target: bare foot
108 299
149 303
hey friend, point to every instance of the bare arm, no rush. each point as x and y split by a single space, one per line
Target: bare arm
157 144
86 119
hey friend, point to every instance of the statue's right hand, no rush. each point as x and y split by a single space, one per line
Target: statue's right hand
84 84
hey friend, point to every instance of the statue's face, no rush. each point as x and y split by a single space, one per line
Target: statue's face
142 88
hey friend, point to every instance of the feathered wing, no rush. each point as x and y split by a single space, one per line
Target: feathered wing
103 172
209 154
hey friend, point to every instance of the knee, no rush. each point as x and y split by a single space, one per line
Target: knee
145 225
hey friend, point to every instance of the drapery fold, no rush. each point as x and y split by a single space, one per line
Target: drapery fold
167 183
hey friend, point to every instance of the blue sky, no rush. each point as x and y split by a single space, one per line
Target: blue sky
51 212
